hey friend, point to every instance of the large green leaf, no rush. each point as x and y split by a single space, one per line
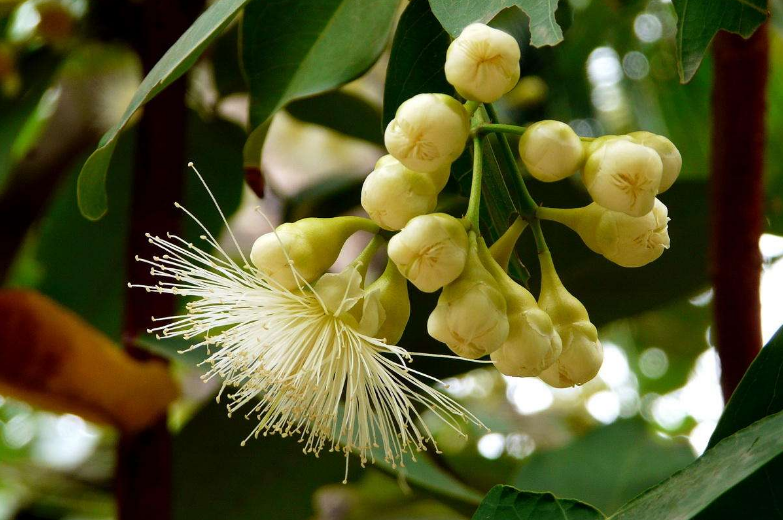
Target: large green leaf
759 394
700 20
298 48
342 112
456 14
418 55
690 491
92 198
608 466
508 503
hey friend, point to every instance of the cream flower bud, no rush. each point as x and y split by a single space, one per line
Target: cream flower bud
430 251
532 344
483 63
390 291
470 317
582 353
393 194
309 247
624 240
669 154
428 132
623 176
551 151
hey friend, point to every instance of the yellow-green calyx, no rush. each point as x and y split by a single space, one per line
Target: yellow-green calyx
471 313
303 250
532 344
389 294
504 246
582 353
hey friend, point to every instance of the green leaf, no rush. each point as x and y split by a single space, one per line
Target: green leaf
298 48
417 57
508 503
91 187
759 394
700 20
455 15
37 70
330 197
690 491
342 112
608 466
214 477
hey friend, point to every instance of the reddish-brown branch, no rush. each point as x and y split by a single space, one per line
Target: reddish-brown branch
738 135
143 479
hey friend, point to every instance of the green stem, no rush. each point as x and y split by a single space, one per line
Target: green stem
475 187
500 129
362 261
471 107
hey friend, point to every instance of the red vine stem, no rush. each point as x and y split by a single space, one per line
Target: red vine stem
739 104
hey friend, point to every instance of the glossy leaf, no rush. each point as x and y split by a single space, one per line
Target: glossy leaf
297 48
456 14
759 394
92 198
508 503
418 55
700 20
342 112
690 491
608 466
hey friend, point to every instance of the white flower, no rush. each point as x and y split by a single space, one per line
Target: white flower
428 132
430 251
393 194
470 317
623 176
551 151
291 357
669 154
483 63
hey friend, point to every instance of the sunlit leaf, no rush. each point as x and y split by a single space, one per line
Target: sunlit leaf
508 503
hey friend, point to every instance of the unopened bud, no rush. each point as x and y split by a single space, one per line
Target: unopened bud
470 317
669 154
390 291
532 344
582 353
551 151
393 194
428 132
483 63
304 250
623 176
430 251
624 240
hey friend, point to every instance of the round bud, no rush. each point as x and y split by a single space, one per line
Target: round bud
598 142
624 240
430 251
623 176
581 358
582 353
391 292
303 250
532 344
669 154
470 317
428 132
483 63
393 194
551 151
